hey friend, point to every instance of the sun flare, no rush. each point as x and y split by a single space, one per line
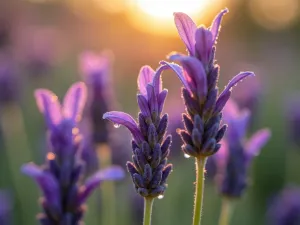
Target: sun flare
156 16
165 8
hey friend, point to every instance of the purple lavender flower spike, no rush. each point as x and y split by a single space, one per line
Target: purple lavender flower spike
96 72
199 77
285 208
235 155
149 169
60 177
5 208
293 119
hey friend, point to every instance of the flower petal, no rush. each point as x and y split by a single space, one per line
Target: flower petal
221 157
143 105
46 181
111 173
216 24
145 77
204 44
186 29
127 121
257 141
49 105
74 101
224 96
195 71
179 72
91 63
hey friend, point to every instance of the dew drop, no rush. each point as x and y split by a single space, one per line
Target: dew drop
116 125
186 156
160 197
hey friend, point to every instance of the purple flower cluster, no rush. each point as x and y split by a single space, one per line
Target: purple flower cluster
60 177
95 69
285 209
149 169
236 153
200 74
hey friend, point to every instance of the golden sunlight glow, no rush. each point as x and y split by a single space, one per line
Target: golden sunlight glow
165 8
275 14
156 16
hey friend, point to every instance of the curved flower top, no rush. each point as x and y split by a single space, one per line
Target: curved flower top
236 152
199 73
198 41
71 109
285 208
150 90
92 65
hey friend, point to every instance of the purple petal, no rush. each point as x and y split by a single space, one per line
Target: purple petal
127 121
257 141
216 24
224 96
236 119
74 101
49 105
145 77
92 63
161 100
221 156
179 72
186 29
143 105
204 44
195 71
111 173
46 181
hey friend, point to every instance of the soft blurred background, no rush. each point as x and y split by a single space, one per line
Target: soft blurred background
40 41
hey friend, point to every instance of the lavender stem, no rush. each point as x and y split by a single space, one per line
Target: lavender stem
108 188
148 203
200 165
226 211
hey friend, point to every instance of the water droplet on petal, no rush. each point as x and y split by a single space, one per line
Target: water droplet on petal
186 156
160 197
116 125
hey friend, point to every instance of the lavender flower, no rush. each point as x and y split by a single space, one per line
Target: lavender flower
9 91
5 208
95 70
236 153
149 169
59 179
285 209
200 74
293 119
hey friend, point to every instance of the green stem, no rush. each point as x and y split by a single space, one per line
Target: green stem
108 188
200 164
148 203
226 211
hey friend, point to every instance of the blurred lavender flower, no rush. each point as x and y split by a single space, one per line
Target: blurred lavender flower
59 179
285 209
95 69
293 119
149 169
202 132
236 153
5 208
9 88
248 97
